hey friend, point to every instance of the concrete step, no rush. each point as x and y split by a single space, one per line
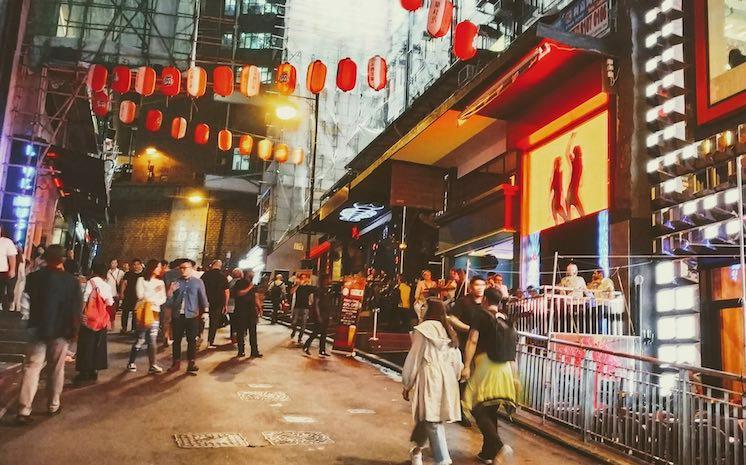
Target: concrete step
12 358
12 347
19 335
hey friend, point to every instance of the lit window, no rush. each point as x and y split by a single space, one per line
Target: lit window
229 8
664 300
732 227
710 202
686 327
667 330
227 39
664 272
688 353
685 297
731 196
667 353
711 232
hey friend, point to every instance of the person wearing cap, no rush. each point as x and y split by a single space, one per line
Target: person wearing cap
54 300
188 300
277 291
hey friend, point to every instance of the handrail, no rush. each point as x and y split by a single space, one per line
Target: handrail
640 358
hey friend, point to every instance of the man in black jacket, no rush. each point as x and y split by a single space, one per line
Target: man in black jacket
216 286
54 300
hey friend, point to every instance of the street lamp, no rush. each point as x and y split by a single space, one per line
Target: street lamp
286 112
195 198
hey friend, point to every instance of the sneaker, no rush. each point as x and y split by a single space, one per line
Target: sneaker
415 455
505 453
155 370
323 354
484 460
192 368
257 355
132 367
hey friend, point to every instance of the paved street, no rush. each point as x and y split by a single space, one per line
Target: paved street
131 418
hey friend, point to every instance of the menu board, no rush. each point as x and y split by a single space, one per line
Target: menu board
353 292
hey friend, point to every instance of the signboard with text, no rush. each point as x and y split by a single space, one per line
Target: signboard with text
586 17
353 292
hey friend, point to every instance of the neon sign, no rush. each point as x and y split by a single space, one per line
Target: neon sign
359 212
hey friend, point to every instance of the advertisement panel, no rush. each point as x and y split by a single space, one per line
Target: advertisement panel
567 177
353 292
586 17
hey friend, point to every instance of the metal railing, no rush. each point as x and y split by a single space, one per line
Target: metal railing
556 309
659 412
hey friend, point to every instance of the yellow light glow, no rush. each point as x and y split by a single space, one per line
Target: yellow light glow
195 198
286 112
151 151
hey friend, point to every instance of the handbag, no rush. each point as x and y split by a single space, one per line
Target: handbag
144 316
96 314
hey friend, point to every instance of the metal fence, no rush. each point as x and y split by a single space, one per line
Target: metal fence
659 412
557 309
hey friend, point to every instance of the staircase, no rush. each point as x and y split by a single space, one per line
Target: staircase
13 339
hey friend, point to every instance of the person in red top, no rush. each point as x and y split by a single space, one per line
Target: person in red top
575 158
555 193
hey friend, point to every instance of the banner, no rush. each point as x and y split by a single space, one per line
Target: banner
353 292
586 17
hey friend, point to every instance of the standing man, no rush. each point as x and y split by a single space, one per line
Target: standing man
303 292
402 295
246 314
187 299
8 253
216 286
54 300
277 291
128 293
573 281
323 303
114 278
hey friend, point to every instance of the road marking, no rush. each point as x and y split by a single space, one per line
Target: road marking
267 396
297 419
209 440
296 438
360 411
259 386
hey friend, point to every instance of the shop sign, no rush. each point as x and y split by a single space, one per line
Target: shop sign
586 17
359 212
353 292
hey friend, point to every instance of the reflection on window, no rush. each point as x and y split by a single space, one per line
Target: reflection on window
726 48
260 7
230 7
227 39
259 40
240 162
69 20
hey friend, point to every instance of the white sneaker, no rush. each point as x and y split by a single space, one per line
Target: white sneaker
504 455
416 455
155 369
132 367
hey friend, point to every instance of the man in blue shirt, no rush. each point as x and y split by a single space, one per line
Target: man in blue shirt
187 299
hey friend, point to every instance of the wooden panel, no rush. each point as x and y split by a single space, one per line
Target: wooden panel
731 346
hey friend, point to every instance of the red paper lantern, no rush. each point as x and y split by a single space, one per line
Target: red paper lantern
100 103
196 81
153 120
225 140
121 79
377 70
170 81
346 74
411 5
264 149
463 40
439 17
127 111
245 144
178 128
286 79
316 77
201 133
145 81
251 80
222 80
97 77
282 152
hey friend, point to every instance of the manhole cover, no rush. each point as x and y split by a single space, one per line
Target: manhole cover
297 419
296 438
269 396
209 440
360 411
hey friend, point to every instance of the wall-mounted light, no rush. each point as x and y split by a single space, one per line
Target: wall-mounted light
733 227
711 232
730 196
710 202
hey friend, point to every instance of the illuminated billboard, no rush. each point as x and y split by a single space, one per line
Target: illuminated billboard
567 177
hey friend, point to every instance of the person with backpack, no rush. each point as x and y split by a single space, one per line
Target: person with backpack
151 294
92 352
430 379
277 291
492 348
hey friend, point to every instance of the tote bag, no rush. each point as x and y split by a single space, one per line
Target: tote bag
144 316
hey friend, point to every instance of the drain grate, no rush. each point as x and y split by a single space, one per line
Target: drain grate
360 411
209 440
267 396
297 419
296 438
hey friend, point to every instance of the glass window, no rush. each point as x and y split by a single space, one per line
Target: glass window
229 7
254 40
726 48
260 7
227 39
240 162
266 74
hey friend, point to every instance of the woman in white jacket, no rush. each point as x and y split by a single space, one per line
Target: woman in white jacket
150 291
430 379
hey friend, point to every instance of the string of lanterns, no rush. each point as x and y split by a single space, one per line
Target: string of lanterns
439 19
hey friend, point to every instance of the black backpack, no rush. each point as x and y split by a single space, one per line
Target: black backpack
276 292
506 342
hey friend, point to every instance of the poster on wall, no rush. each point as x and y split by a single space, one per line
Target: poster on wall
567 177
353 292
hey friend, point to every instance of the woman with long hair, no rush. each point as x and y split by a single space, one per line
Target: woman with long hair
92 352
151 294
430 379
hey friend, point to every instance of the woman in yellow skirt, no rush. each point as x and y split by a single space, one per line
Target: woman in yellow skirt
491 383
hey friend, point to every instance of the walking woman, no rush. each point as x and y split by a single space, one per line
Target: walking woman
492 383
151 294
92 350
430 379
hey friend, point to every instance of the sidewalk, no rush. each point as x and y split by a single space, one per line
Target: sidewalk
131 418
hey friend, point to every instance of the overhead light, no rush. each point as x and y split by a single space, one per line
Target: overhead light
730 196
286 112
710 202
151 151
732 227
653 166
689 208
711 232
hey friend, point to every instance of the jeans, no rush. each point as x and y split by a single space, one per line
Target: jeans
300 319
216 316
486 418
143 335
53 353
436 434
189 327
241 338
275 310
127 308
166 328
